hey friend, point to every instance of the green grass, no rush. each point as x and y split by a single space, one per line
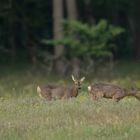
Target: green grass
30 118
24 116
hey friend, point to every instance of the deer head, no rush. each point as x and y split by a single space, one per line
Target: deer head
78 82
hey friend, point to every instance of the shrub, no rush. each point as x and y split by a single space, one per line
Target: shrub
83 40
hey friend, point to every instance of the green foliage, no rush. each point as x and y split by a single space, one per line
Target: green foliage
90 41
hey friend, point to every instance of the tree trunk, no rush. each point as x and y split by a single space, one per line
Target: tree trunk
71 9
13 47
137 45
58 17
137 30
76 66
11 30
72 15
32 51
58 33
89 16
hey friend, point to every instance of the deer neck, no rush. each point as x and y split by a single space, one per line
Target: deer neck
74 92
130 93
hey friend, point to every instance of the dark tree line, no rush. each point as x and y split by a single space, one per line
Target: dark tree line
24 24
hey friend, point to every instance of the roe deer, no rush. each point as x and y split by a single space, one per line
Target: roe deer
114 92
50 92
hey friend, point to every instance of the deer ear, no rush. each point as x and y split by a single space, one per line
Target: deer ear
82 79
73 78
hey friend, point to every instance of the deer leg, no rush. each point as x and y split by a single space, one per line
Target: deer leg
94 97
49 97
138 98
63 97
115 99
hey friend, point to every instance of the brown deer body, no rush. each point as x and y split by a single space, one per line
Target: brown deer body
50 92
114 92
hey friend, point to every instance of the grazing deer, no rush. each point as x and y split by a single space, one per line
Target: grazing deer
50 92
111 91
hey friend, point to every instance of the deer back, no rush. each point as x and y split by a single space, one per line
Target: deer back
106 90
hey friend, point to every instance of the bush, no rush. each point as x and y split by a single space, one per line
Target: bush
83 40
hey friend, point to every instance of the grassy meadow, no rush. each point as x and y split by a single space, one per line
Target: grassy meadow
24 116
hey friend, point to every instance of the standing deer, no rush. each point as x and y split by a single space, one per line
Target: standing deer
50 92
114 92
